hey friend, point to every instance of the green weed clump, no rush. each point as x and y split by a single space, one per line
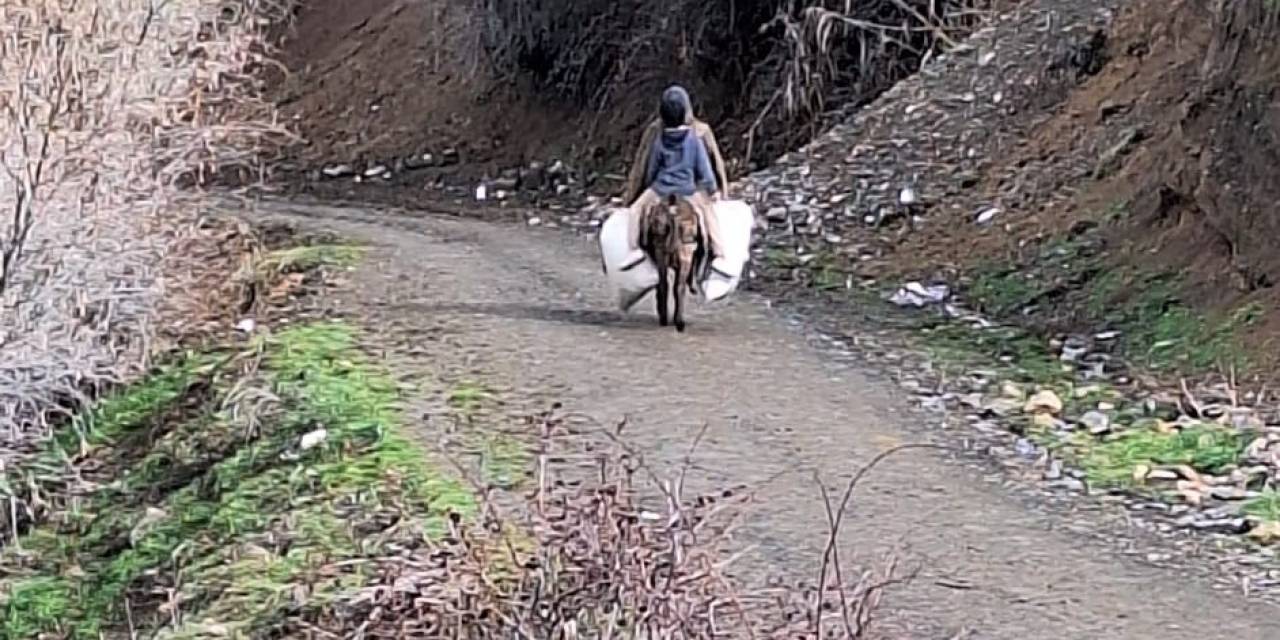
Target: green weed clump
307 257
1265 507
1208 449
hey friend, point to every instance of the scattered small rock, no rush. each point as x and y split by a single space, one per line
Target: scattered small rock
1067 484
1047 421
313 438
1026 448
914 294
1003 407
1044 402
1013 391
1164 475
1229 493
1054 470
1232 526
1096 422
1265 532
338 171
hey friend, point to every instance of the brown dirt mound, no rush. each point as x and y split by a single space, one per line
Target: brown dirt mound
1203 194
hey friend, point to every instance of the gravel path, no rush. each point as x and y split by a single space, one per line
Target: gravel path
990 568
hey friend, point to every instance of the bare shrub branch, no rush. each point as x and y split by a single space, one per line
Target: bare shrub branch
109 112
783 62
595 553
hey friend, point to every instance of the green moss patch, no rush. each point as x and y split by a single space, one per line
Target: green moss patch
1067 284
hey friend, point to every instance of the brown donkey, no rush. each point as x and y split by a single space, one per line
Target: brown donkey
669 236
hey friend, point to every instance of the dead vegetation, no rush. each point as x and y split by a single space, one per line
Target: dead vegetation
779 62
531 80
109 111
607 548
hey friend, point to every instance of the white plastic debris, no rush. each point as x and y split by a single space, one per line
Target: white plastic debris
481 192
907 196
337 171
987 215
247 325
310 440
914 294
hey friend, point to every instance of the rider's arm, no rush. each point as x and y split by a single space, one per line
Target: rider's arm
639 166
717 160
651 168
703 174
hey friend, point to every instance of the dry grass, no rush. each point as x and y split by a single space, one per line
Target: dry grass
109 112
112 115
783 63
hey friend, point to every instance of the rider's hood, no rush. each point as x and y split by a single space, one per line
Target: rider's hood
677 93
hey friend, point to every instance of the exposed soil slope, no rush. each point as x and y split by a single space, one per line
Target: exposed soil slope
1170 150
371 79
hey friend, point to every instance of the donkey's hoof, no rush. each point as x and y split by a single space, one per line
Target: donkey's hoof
679 327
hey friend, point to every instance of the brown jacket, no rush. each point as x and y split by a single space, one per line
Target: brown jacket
635 179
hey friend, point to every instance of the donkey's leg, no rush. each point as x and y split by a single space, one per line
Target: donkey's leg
682 278
664 290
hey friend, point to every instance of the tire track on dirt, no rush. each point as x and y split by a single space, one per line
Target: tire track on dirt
775 407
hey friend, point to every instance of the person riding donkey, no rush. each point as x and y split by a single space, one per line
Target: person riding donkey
677 156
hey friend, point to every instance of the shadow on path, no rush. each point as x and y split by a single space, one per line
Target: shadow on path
541 313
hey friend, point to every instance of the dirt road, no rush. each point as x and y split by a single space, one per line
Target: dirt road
548 331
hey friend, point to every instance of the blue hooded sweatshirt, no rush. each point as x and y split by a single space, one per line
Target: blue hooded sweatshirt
678 161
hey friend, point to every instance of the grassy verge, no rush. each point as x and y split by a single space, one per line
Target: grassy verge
228 489
1117 443
819 270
